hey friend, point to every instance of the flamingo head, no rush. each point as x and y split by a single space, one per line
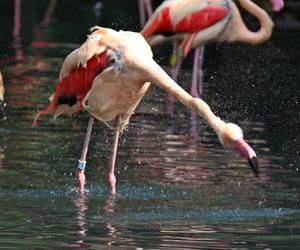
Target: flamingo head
231 136
277 5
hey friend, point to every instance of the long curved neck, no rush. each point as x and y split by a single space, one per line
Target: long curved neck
237 31
151 71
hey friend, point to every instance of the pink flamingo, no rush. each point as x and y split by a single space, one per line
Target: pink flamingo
109 75
196 23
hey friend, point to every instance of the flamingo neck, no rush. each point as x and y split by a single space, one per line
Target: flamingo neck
241 32
151 71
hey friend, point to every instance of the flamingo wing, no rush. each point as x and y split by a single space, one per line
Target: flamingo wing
76 77
185 17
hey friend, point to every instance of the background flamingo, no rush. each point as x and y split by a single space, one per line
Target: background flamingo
195 23
115 69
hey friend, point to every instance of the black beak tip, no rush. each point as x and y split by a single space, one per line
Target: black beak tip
254 165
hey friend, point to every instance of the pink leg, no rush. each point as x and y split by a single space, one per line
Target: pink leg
17 21
148 7
82 161
111 171
193 130
174 75
17 31
197 86
142 13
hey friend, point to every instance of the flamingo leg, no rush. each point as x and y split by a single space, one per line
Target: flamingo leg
148 8
196 88
186 44
80 175
197 85
193 130
142 13
145 11
111 170
176 65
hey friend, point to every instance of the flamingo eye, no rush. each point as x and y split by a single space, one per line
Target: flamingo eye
112 61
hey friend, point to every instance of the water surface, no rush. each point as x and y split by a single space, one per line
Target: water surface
177 187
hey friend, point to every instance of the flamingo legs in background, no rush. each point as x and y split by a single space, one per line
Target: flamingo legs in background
196 87
38 39
145 11
108 75
17 31
195 23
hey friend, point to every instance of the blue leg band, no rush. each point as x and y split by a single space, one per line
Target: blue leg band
81 165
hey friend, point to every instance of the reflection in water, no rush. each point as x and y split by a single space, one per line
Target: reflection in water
38 31
193 158
203 236
81 203
17 32
111 203
166 228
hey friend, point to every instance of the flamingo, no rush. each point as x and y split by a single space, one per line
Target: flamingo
1 88
194 23
109 75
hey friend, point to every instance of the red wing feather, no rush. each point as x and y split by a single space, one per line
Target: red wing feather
80 80
75 86
162 23
192 23
201 19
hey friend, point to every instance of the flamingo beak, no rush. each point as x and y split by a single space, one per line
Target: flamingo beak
248 153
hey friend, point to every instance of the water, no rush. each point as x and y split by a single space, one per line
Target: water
177 187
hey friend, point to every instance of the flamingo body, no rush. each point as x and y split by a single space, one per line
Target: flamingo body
194 23
202 19
113 94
